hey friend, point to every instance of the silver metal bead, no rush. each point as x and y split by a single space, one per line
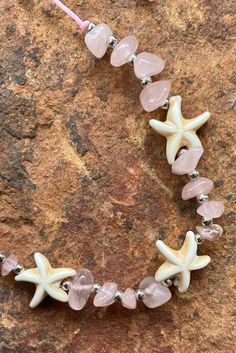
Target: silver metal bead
118 296
96 287
167 283
207 222
165 105
181 151
112 42
2 257
140 294
132 59
65 285
91 26
199 239
145 81
194 175
202 198
18 269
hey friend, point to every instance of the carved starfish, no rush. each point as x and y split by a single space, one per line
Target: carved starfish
178 131
46 279
181 262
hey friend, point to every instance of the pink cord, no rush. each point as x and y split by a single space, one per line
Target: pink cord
83 25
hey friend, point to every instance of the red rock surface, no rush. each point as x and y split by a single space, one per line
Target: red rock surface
85 180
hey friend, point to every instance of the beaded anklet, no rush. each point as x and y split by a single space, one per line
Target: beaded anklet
183 151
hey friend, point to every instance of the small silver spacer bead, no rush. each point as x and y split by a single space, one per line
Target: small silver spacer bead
202 198
132 59
199 239
2 257
207 222
140 294
145 81
18 269
181 151
112 42
65 285
118 296
194 175
165 105
91 26
167 283
96 287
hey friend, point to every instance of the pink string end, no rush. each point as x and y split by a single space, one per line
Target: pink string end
83 25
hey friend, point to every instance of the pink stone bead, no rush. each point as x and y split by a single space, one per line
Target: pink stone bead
197 187
97 40
147 64
105 295
187 161
211 233
123 50
211 209
154 95
80 289
9 265
155 293
128 299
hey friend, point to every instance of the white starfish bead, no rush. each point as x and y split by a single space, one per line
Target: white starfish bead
46 279
178 131
180 262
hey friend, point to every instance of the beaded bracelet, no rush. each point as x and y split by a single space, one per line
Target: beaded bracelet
183 151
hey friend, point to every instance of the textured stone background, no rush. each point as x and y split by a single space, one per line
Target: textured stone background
85 180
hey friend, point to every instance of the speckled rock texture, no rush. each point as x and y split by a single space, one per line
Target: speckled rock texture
84 179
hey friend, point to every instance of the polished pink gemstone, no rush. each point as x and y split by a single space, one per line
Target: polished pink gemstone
211 209
80 289
147 64
105 295
211 233
97 40
155 293
128 299
197 187
187 161
123 51
9 265
154 95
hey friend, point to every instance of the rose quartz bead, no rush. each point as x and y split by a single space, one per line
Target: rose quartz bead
123 50
155 293
187 161
211 209
211 233
147 64
128 299
154 95
80 289
9 265
105 295
197 187
97 40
